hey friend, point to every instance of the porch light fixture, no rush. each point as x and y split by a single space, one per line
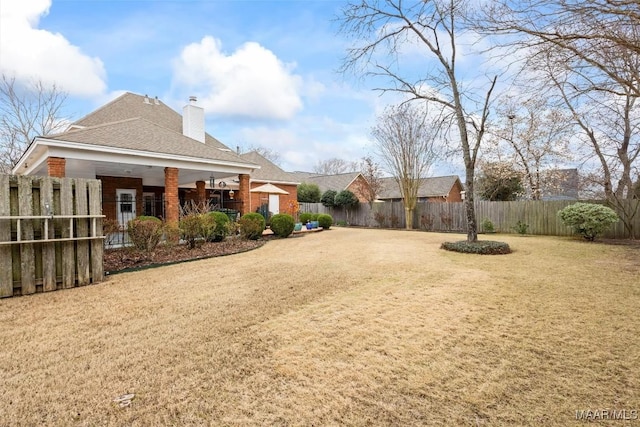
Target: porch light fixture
212 182
222 184
231 193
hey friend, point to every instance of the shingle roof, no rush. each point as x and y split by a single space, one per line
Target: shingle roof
561 184
269 171
143 135
438 186
336 182
130 105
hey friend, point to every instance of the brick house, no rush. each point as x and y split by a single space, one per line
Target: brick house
435 189
149 158
271 188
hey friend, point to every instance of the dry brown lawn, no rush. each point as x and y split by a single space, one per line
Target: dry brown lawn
343 327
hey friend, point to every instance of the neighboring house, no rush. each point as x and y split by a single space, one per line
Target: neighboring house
434 189
149 158
561 184
352 181
272 189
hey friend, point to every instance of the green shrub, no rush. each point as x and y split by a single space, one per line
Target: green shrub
325 220
251 225
487 226
282 224
346 199
309 193
314 216
481 247
306 217
172 233
588 219
329 198
145 232
342 223
521 227
221 230
195 228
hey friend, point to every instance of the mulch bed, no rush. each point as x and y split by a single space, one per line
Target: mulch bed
130 259
622 242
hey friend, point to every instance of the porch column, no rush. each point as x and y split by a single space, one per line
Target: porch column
202 192
244 197
56 166
172 210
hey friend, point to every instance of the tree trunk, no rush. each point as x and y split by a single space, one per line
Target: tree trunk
408 218
472 230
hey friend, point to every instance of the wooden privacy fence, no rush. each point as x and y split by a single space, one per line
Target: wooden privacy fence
540 215
50 234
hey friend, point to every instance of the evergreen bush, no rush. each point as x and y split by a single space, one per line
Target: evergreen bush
251 225
195 228
306 217
588 219
481 247
221 229
282 225
325 220
328 199
521 227
308 193
487 226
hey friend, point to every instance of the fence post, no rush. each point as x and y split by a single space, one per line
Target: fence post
97 246
48 249
27 256
68 255
6 273
82 225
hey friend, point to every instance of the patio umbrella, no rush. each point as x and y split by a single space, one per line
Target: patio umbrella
269 188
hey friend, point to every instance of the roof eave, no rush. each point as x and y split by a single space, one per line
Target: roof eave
61 144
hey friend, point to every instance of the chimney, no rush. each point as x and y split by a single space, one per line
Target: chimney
193 120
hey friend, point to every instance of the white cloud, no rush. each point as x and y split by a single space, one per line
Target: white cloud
306 141
250 82
28 53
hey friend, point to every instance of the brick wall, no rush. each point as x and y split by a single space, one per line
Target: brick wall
56 166
172 200
455 194
258 198
243 194
109 186
201 191
357 188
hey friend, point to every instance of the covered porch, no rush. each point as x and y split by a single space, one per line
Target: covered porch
136 183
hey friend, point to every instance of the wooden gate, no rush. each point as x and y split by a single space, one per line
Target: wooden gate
50 234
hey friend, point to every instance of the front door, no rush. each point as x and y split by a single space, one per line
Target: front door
274 203
125 206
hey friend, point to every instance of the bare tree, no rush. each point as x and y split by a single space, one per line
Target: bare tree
26 112
404 139
268 153
372 185
588 31
382 28
499 181
334 166
608 115
534 137
587 52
